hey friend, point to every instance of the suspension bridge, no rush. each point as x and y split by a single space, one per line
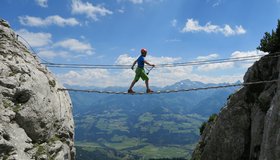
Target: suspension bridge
252 58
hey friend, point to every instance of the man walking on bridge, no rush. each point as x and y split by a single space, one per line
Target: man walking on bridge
140 71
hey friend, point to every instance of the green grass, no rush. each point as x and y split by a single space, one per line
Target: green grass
146 117
124 144
148 151
87 146
151 151
108 122
188 124
111 125
86 122
140 142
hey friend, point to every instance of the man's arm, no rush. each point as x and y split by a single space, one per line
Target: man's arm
132 67
149 63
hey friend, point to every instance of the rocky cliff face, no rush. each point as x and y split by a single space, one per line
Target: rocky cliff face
36 120
248 127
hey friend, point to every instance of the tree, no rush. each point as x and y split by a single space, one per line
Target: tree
271 42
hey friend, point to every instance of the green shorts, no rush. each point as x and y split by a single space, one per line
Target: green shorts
140 72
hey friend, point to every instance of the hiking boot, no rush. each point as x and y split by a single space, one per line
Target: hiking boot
130 91
149 91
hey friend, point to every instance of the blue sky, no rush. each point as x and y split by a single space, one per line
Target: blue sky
114 31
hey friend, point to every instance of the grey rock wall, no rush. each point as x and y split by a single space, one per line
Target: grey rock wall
36 120
248 127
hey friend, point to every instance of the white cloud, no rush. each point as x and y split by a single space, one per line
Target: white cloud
136 1
87 77
248 58
208 57
240 54
252 56
216 66
194 26
163 60
125 59
50 54
212 66
68 49
141 1
47 54
132 1
240 30
171 75
75 45
42 3
121 10
91 11
174 22
217 3
227 30
39 39
50 20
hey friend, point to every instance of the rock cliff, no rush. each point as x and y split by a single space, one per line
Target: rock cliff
36 120
248 127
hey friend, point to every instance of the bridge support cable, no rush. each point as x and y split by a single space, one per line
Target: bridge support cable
183 64
169 91
189 63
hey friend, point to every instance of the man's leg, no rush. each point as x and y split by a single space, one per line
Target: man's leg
136 78
132 84
147 84
148 88
145 77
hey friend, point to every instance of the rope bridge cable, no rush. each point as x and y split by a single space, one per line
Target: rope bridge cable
170 91
32 49
159 65
190 63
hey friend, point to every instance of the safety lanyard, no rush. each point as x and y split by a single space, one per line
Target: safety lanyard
148 70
